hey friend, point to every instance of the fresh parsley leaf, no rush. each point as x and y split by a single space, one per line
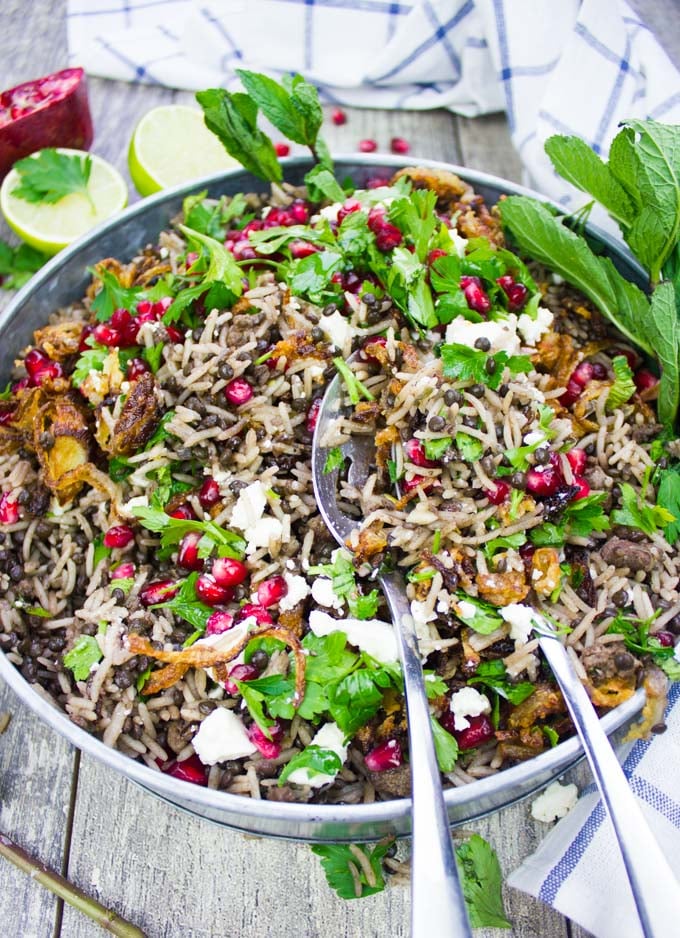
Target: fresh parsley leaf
355 389
624 386
363 607
48 176
84 654
18 264
463 363
415 217
92 360
637 513
310 275
336 859
485 619
445 746
481 880
329 659
435 449
637 638
510 542
469 447
435 686
668 498
354 700
586 515
316 760
166 487
112 295
187 605
100 551
153 356
119 469
494 675
161 433
172 530
445 275
212 217
222 268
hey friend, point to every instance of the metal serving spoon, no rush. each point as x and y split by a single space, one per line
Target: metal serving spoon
437 903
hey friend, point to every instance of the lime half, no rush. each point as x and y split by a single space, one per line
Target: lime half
49 228
172 145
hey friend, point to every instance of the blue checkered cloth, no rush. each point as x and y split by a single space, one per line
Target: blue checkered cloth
569 67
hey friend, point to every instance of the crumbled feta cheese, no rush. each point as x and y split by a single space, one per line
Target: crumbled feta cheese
136 502
331 211
536 436
522 620
324 594
249 508
298 589
467 702
466 610
458 241
338 330
502 334
222 736
262 533
556 801
422 616
533 329
374 637
330 736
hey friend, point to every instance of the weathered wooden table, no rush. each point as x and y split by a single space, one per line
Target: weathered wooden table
171 873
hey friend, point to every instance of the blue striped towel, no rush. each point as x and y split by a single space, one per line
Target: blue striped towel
578 870
570 67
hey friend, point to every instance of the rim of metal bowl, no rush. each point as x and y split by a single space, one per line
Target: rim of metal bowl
554 761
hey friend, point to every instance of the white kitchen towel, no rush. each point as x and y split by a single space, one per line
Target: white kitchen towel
578 870
555 67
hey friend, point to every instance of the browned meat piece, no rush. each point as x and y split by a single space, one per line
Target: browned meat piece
579 557
612 673
393 782
370 544
501 589
620 552
544 702
139 418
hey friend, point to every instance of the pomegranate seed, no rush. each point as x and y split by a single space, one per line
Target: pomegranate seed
238 392
600 372
187 554
218 622
415 452
128 335
376 218
351 282
136 368
119 536
270 748
300 249
210 592
34 361
270 591
572 394
160 591
644 380
120 318
399 145
275 217
371 342
84 336
282 149
347 208
106 335
388 237
527 551
577 460
420 482
209 494
313 415
368 146
49 371
547 481
259 613
184 512
435 255
240 672
124 571
339 117
20 385
9 509
517 296
175 335
144 307
189 770
582 374
478 732
229 572
299 212
505 282
498 494
475 297
665 639
583 488
386 756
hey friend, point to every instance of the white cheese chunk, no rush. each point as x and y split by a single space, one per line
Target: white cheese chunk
331 737
522 620
422 616
467 610
555 802
338 330
458 241
502 334
262 533
374 637
533 329
222 736
324 595
467 702
139 501
536 436
298 589
250 506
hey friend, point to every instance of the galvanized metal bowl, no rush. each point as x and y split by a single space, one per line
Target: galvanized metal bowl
64 280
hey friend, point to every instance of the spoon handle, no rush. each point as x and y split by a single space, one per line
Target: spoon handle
654 886
437 903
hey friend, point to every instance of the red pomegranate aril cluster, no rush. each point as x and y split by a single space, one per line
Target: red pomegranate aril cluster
580 377
383 757
210 592
270 748
313 415
387 235
39 367
238 392
499 493
124 571
665 639
119 536
183 512
209 494
187 554
218 622
9 509
254 611
160 591
516 293
418 482
348 207
136 367
545 481
476 296
644 380
479 731
228 571
577 459
240 672
415 453
189 770
271 591
299 249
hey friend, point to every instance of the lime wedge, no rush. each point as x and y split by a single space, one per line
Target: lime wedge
171 145
49 228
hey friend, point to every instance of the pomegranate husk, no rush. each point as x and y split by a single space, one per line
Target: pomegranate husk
63 121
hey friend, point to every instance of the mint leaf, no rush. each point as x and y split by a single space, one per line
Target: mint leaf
637 513
295 110
445 746
663 330
336 859
48 176
85 653
668 498
316 760
322 184
481 880
232 118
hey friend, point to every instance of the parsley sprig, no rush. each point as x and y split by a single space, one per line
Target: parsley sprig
48 176
172 530
462 363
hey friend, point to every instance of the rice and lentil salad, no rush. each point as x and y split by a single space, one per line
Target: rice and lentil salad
167 579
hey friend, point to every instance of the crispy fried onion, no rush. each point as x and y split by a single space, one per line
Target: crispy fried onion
501 589
59 341
447 185
64 421
138 419
300 345
208 656
655 684
545 571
